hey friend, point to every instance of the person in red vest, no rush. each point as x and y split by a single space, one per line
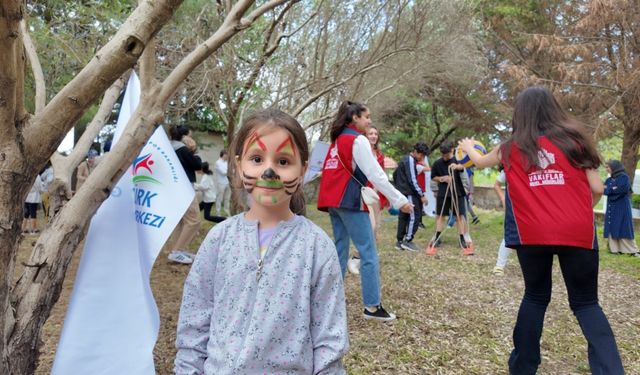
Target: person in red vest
375 209
348 166
552 186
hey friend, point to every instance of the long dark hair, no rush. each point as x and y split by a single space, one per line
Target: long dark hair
347 110
278 119
537 113
205 168
176 132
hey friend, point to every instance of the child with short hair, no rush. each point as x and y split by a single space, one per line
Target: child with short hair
265 292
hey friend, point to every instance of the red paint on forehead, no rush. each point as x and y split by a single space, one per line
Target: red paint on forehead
284 144
255 138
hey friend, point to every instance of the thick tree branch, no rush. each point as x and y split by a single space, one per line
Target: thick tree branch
36 68
93 129
111 61
148 66
11 47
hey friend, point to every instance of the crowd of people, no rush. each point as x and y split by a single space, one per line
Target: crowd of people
265 289
223 302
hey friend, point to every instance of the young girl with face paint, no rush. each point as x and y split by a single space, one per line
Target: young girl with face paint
265 292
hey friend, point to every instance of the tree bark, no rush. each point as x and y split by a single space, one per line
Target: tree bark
25 151
631 138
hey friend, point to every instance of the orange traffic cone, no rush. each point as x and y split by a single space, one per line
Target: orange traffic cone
469 249
431 249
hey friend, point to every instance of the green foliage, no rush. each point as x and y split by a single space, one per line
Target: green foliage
517 14
66 35
635 200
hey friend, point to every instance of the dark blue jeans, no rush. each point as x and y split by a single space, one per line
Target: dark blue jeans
580 272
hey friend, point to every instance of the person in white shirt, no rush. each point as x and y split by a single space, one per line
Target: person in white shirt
208 189
29 224
222 183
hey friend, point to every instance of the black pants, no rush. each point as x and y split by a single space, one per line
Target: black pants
408 223
207 213
580 272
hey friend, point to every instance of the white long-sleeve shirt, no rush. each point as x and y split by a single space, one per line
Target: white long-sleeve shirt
364 159
222 167
207 187
34 193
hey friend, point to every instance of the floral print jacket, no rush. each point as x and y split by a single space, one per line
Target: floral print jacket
289 317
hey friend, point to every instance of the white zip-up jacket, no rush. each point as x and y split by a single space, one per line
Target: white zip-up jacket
290 320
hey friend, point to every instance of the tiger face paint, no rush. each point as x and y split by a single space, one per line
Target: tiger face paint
270 167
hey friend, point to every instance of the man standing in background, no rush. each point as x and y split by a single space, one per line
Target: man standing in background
222 184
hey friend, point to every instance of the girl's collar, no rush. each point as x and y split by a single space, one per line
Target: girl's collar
354 127
282 223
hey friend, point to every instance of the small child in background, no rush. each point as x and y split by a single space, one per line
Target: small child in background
265 293
30 223
208 188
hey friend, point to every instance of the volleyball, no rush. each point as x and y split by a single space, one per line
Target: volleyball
463 158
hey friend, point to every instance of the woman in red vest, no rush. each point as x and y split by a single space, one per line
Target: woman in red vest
348 166
552 186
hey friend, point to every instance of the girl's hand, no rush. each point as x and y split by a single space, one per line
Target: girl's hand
466 144
407 208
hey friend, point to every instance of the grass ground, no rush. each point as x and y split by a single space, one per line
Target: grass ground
454 315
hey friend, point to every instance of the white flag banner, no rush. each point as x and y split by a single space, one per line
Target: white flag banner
316 161
112 320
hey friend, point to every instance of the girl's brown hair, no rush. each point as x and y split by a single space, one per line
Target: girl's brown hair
376 146
347 110
277 119
537 113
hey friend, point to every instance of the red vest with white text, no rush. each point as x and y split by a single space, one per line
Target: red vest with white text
550 204
338 188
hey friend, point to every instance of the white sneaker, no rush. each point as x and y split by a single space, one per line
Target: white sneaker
179 257
353 265
186 253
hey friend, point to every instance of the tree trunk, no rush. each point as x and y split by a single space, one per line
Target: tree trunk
631 135
28 142
12 188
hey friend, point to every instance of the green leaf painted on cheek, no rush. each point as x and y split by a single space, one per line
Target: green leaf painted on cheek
269 184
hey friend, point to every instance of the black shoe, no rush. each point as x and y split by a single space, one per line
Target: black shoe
463 243
420 225
438 243
398 245
409 246
380 314
475 220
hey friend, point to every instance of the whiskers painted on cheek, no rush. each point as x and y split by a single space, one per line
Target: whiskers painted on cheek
249 182
291 186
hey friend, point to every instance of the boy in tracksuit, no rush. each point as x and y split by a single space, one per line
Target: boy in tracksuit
405 180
